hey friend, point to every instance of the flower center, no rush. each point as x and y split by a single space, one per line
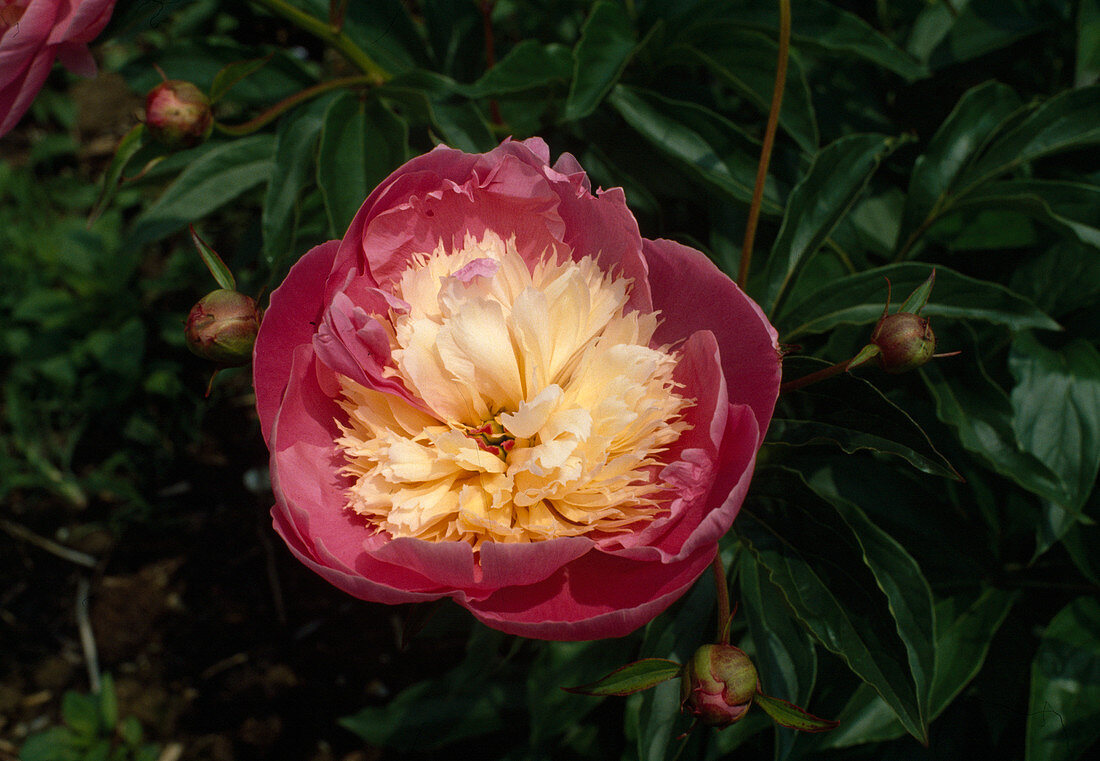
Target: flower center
539 408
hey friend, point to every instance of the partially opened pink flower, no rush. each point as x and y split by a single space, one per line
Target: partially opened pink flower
493 389
33 33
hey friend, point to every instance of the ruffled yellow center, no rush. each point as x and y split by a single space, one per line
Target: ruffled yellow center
548 408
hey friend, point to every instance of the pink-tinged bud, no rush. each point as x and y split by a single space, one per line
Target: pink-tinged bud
905 342
177 114
222 327
718 684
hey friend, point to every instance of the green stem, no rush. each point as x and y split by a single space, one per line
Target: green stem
333 36
247 128
723 593
769 139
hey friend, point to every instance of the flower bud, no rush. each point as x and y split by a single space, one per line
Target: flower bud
718 684
222 327
177 114
905 342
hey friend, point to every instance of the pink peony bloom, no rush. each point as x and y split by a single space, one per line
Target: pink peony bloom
35 32
493 389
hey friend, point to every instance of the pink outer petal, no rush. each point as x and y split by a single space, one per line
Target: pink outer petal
309 510
516 200
82 21
693 294
502 565
16 96
595 596
291 319
25 40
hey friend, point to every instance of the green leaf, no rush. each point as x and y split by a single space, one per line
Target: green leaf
654 719
554 712
108 703
528 65
858 300
1088 43
963 639
785 656
221 273
838 175
234 73
746 61
1056 406
631 678
821 25
1065 122
384 28
852 414
1082 542
603 51
473 699
216 178
362 141
131 732
437 101
709 147
1063 717
981 26
980 413
81 713
455 34
427 716
1060 280
918 299
55 744
900 579
1069 208
787 714
131 143
954 146
811 553
295 151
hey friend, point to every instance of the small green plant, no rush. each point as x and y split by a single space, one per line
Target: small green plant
92 732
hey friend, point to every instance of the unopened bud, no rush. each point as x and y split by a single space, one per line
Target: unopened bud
222 327
178 114
905 342
718 684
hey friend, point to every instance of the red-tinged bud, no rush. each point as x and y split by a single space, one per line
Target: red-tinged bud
222 327
905 342
177 114
718 684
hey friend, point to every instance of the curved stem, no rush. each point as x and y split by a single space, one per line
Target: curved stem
282 106
490 53
330 34
723 593
769 139
812 378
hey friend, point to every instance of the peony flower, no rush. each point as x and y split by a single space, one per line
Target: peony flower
35 32
493 389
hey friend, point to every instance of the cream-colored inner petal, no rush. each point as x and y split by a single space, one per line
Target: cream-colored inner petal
549 409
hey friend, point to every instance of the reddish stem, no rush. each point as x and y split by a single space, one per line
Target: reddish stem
769 140
490 53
